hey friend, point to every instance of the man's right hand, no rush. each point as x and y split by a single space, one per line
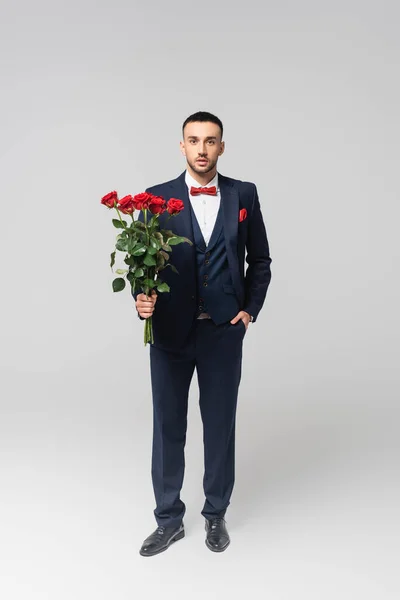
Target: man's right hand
145 304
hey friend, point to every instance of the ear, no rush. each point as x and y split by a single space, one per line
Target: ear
182 145
222 148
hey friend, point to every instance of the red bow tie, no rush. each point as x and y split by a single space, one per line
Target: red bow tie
210 191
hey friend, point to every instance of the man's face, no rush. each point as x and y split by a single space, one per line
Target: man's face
202 146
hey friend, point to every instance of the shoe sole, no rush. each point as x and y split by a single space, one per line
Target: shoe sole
176 537
215 549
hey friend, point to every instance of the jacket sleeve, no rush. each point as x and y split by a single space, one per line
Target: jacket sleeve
258 273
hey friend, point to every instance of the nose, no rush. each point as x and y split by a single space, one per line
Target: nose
202 149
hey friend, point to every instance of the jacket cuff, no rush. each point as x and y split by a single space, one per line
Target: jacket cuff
252 311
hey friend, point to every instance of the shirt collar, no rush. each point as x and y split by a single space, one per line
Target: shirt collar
190 181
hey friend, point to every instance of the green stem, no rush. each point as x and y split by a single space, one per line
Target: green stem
122 223
148 331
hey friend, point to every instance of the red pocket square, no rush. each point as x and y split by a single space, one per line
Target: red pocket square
242 214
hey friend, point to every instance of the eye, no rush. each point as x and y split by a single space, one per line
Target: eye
211 141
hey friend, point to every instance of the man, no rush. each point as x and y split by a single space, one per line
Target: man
201 323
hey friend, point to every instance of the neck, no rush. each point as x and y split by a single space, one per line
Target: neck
202 178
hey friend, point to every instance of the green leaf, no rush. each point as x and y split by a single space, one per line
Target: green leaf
139 250
174 241
163 287
117 223
139 225
112 259
121 271
139 272
118 284
149 260
121 245
164 254
167 247
129 260
142 236
159 237
160 260
152 221
131 244
155 243
167 233
149 282
151 250
173 268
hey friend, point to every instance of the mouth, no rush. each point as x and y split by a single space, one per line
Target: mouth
202 161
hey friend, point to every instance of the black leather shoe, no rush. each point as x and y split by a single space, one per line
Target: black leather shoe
161 539
217 538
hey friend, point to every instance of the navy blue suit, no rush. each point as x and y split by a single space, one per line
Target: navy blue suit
210 279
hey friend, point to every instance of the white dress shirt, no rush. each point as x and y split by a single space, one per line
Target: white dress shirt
205 207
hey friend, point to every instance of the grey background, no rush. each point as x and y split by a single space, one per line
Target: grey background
93 96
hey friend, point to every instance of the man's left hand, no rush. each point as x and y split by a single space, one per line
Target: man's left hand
244 316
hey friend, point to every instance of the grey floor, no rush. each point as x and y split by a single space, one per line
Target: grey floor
314 512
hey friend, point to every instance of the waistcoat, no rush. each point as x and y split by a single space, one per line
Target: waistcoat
215 292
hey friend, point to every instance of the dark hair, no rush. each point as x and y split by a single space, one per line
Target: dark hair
203 117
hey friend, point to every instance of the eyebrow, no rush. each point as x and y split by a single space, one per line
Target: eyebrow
194 137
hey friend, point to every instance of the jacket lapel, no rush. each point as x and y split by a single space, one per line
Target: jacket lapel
182 224
198 235
230 211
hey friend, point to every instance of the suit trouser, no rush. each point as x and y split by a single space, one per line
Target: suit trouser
216 352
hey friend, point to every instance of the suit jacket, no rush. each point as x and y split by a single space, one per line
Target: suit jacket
245 241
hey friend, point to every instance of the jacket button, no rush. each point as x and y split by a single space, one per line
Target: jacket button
205 284
206 262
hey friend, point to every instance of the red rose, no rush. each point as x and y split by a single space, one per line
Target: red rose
174 206
157 205
110 199
126 205
141 201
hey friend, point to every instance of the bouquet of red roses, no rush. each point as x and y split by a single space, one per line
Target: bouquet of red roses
145 245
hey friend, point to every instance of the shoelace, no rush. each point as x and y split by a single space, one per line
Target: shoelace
216 521
160 531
